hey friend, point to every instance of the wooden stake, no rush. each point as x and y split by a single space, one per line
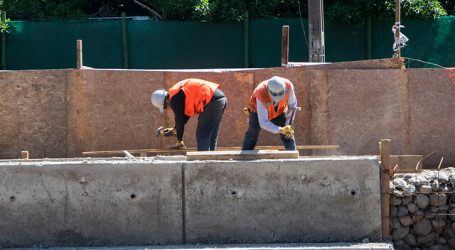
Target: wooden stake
386 171
285 45
79 61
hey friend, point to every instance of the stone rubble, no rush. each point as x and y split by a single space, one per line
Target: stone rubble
422 210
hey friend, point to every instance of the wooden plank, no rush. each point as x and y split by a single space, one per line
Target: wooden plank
384 149
406 163
145 152
242 155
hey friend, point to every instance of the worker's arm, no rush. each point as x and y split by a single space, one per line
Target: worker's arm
263 117
292 106
177 103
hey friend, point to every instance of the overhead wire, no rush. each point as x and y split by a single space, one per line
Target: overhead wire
301 22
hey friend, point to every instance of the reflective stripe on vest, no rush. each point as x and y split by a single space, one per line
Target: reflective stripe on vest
262 93
198 93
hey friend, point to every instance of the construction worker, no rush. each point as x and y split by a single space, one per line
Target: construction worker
272 107
188 98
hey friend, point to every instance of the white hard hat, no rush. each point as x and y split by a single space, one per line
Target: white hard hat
158 98
277 88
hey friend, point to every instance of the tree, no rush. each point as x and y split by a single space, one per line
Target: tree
354 11
341 11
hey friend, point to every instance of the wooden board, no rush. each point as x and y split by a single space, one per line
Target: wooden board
406 163
152 152
242 155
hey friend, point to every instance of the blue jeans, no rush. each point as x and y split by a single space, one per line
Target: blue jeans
208 125
252 134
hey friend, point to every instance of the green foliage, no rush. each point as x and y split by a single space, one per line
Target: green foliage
4 25
354 11
339 11
43 9
422 8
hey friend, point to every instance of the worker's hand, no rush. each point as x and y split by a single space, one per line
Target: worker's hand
246 111
179 145
287 131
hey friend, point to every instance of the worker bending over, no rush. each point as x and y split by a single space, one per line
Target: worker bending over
272 107
188 98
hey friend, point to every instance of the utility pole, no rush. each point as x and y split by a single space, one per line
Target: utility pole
316 30
397 27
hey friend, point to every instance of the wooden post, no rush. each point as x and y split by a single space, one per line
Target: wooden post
397 26
25 155
125 42
316 30
384 149
285 45
79 61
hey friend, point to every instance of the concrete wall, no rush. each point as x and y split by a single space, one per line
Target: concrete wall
65 112
147 201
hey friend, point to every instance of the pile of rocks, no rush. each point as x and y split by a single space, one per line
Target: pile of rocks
422 210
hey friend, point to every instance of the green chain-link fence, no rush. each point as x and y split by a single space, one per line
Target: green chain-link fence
149 44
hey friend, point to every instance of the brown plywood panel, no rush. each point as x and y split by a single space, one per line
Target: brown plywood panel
111 110
358 108
432 102
33 113
237 86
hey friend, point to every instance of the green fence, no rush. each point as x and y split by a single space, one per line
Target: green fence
149 44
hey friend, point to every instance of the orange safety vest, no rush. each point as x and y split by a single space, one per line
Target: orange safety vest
262 93
198 93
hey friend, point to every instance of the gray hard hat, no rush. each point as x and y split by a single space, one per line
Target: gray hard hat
277 88
158 98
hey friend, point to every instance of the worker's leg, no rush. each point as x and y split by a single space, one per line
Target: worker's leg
208 124
221 106
252 134
289 144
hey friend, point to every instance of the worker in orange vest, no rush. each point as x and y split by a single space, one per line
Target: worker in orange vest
272 107
188 98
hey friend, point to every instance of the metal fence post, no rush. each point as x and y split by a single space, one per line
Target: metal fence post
125 42
3 42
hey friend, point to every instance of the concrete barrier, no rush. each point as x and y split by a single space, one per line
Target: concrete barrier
141 201
85 203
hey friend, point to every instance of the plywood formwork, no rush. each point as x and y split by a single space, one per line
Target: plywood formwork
62 113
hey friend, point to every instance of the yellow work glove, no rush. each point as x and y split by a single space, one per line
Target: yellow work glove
168 132
287 131
179 145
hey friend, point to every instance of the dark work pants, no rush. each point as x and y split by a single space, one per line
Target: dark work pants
252 134
208 125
